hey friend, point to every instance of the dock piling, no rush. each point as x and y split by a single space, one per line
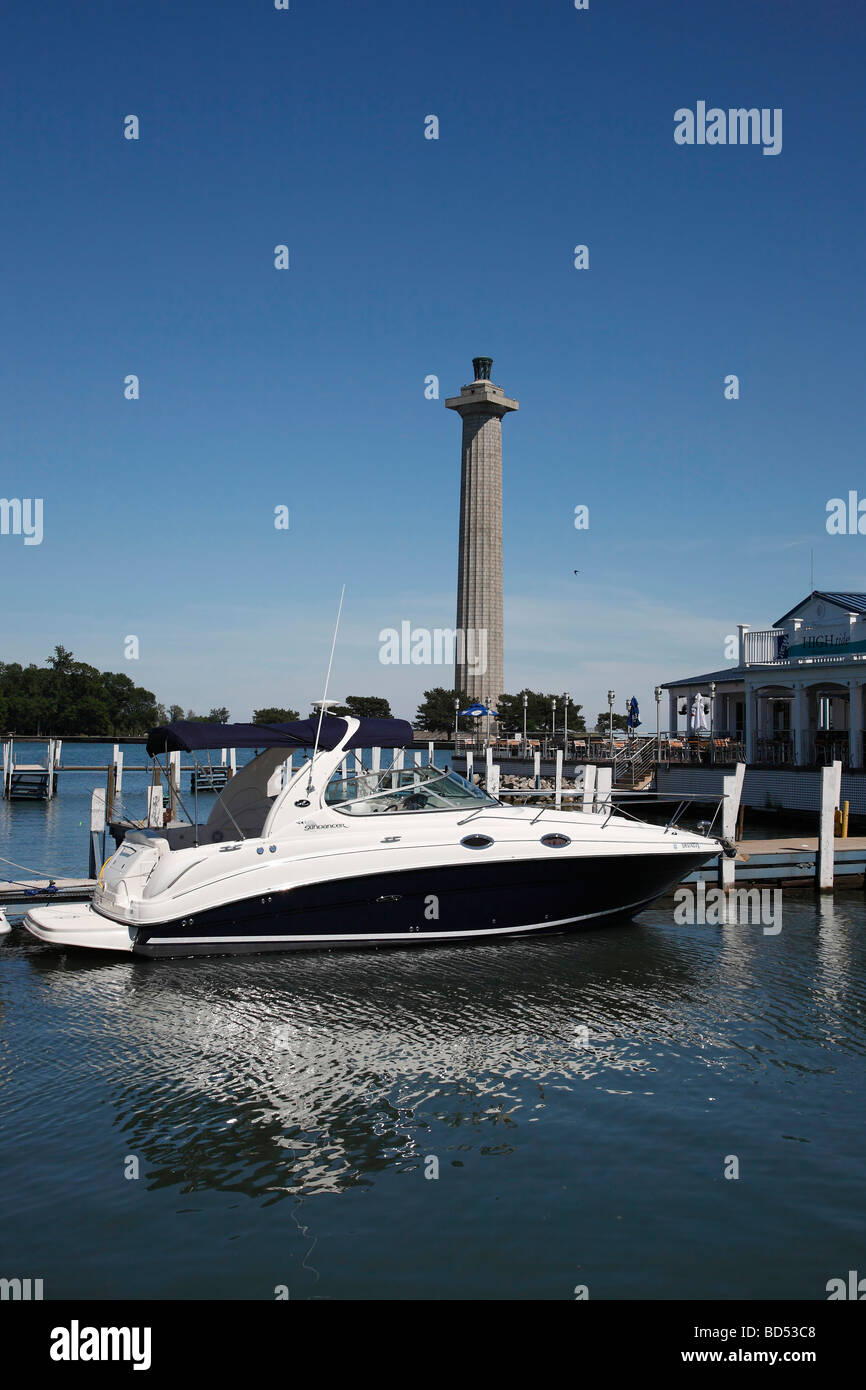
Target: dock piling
831 791
603 785
732 789
97 831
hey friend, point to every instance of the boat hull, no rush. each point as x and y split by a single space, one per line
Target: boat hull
428 906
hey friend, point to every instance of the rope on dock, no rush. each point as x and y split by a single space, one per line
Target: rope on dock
27 869
29 890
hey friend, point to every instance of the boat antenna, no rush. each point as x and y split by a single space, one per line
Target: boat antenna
325 695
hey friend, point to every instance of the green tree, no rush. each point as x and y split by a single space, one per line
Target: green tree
602 724
436 711
539 713
368 707
219 716
274 715
175 712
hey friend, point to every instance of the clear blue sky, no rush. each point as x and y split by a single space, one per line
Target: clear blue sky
408 257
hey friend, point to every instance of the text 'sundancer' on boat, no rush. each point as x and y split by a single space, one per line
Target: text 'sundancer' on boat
387 857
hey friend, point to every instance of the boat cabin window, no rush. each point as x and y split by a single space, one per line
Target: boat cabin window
409 789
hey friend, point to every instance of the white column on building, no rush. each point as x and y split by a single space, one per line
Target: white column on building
855 723
673 702
800 724
751 729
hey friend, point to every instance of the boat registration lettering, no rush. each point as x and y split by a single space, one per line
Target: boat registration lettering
322 825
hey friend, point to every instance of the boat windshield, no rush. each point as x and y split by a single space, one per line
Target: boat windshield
409 789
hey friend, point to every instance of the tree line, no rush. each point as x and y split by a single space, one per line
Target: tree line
67 697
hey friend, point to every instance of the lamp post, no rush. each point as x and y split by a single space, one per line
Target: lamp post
712 721
456 708
658 695
567 698
487 723
553 726
525 703
611 700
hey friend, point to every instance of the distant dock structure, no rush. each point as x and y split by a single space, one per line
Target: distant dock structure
30 781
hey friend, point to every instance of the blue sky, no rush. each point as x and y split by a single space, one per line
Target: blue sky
409 256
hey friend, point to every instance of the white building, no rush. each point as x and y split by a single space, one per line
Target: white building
795 696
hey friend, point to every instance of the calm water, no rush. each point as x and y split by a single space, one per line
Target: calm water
580 1095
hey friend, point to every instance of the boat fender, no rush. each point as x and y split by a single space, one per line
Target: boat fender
729 848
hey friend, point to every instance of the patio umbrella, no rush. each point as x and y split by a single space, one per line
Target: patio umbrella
698 720
476 710
633 712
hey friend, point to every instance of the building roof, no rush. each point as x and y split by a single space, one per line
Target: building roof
854 603
730 673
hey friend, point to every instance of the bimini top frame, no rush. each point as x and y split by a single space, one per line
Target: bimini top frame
185 736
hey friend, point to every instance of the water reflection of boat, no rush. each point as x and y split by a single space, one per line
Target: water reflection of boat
362 856
237 1076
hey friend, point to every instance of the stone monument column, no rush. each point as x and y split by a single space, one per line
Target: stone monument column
479 663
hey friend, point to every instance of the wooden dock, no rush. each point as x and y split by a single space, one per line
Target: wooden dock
793 860
25 893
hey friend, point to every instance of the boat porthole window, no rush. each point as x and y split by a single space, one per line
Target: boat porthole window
260 850
555 841
273 849
476 841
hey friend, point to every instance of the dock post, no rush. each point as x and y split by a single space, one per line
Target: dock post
488 768
732 787
7 765
97 832
468 764
492 787
431 753
154 806
397 766
588 786
233 761
536 769
557 781
58 745
173 783
49 764
831 791
375 760
603 785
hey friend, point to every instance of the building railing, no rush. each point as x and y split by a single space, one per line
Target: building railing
778 646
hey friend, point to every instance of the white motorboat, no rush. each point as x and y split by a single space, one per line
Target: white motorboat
341 854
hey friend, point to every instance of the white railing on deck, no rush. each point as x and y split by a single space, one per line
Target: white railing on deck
762 646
